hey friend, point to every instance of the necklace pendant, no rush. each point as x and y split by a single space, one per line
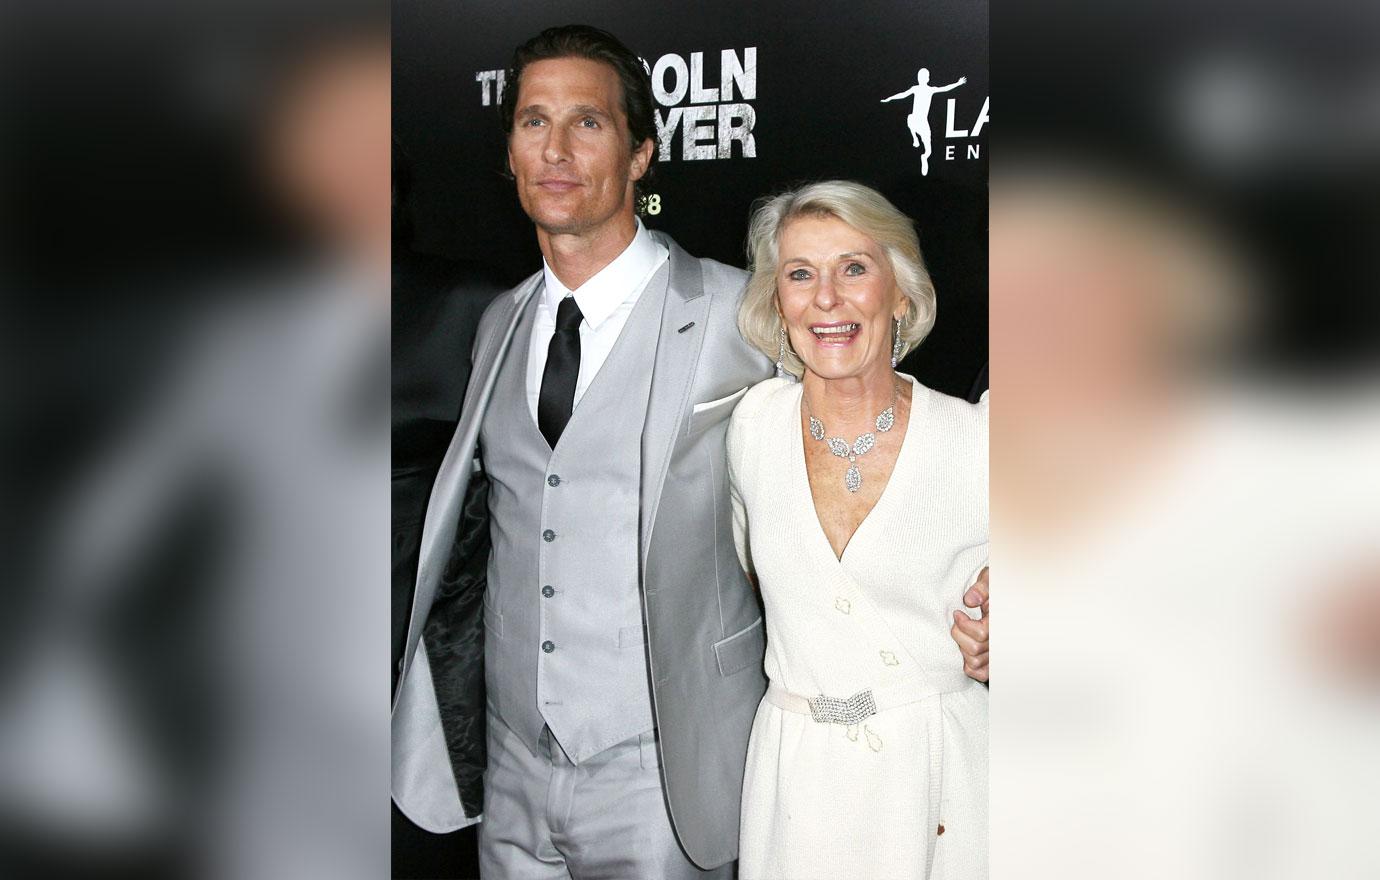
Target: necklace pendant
839 446
853 479
886 419
816 428
864 443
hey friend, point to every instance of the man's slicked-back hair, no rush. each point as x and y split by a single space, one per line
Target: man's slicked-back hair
583 41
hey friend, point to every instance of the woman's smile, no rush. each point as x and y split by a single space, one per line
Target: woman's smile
836 335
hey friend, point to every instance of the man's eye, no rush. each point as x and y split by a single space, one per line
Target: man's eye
854 269
799 275
589 122
532 123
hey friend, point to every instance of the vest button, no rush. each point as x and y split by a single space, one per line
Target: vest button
548 591
548 536
548 646
553 481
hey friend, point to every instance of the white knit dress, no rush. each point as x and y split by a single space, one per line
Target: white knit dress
864 800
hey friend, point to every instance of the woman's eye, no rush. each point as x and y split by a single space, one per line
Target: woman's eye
799 275
854 269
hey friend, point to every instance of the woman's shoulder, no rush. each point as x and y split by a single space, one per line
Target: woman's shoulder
749 433
951 415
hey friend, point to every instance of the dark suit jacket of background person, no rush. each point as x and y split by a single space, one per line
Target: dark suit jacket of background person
980 386
437 304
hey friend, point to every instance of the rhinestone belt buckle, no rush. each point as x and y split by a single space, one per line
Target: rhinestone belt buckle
832 710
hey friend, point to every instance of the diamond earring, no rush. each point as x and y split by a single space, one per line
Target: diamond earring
781 353
896 344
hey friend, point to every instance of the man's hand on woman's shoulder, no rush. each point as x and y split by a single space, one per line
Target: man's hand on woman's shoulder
971 635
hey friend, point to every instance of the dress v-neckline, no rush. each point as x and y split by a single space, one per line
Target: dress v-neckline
802 475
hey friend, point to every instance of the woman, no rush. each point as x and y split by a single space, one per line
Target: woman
860 499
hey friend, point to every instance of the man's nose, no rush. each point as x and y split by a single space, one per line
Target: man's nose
557 148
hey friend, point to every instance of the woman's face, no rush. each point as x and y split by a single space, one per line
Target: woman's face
838 296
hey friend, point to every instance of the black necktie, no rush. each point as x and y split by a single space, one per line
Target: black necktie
562 369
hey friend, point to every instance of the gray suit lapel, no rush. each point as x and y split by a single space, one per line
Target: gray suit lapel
673 371
453 477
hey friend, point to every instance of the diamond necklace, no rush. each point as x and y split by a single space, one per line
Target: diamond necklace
852 479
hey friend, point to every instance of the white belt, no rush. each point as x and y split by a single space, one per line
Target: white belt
866 703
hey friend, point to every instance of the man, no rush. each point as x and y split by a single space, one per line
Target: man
624 643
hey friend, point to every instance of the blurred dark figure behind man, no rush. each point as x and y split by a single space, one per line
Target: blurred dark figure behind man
436 307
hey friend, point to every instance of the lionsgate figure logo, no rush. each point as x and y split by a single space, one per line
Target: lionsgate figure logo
921 96
701 116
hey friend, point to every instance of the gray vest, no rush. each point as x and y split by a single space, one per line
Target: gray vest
565 642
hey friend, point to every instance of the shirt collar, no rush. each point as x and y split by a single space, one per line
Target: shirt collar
600 296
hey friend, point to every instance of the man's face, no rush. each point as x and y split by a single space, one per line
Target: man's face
569 148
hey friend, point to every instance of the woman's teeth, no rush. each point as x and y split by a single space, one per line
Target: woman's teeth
838 330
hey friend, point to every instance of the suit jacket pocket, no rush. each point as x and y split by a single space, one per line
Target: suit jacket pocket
714 410
741 650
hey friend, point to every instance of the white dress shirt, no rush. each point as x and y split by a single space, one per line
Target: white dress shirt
605 301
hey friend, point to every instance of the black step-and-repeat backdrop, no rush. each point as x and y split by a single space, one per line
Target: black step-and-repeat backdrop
753 97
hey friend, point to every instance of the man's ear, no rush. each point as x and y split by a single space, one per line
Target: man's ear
642 158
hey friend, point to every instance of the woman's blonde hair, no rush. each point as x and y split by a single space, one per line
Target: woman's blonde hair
862 208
